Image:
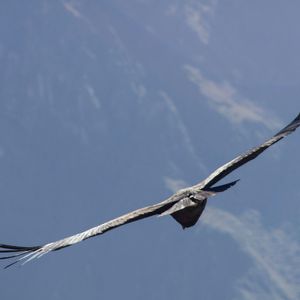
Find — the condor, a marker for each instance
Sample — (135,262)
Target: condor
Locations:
(185,206)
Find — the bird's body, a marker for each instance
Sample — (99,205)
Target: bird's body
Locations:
(189,216)
(185,206)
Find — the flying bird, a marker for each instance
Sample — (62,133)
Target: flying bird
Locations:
(185,206)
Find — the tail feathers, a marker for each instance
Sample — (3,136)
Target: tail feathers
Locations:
(19,253)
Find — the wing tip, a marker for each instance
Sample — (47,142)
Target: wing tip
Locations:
(291,126)
(20,253)
(297,119)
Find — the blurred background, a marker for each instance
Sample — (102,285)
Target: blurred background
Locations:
(108,106)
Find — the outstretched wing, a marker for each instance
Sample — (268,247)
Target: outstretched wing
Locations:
(249,155)
(25,254)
